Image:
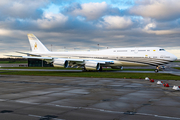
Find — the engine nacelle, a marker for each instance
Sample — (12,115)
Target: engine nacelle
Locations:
(60,63)
(91,65)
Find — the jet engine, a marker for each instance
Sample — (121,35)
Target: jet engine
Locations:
(92,65)
(60,63)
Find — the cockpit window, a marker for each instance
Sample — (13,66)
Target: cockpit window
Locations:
(161,49)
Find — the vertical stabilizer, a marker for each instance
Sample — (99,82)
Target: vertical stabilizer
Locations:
(36,45)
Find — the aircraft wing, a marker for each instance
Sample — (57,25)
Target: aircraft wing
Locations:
(48,58)
(68,62)
(66,59)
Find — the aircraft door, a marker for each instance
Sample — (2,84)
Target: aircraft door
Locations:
(136,50)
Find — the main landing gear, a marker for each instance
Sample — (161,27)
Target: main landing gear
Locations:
(100,68)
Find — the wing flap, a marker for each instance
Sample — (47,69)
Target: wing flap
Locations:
(103,61)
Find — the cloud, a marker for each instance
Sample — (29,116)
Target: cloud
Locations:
(50,21)
(163,10)
(161,28)
(122,4)
(62,1)
(150,26)
(115,22)
(61,23)
(4,32)
(127,2)
(86,24)
(91,11)
(163,32)
(22,8)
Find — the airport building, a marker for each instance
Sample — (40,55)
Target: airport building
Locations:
(38,63)
(30,62)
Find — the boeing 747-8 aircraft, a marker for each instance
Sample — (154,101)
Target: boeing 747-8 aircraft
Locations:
(114,58)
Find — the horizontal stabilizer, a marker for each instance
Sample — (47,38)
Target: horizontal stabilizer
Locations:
(27,53)
(13,56)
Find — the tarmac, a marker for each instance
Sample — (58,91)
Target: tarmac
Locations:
(168,69)
(74,98)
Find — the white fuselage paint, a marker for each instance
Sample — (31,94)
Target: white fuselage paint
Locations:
(142,56)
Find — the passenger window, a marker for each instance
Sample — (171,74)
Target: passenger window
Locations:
(141,50)
(121,50)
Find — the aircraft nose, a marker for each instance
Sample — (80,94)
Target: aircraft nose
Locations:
(173,57)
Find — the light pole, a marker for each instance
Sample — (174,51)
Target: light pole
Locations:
(98,47)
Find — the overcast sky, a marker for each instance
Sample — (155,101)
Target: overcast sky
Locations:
(82,24)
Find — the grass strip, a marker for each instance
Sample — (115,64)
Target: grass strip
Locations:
(176,68)
(61,68)
(160,76)
(12,62)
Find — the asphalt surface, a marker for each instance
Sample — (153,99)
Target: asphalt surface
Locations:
(171,71)
(14,65)
(68,98)
(168,69)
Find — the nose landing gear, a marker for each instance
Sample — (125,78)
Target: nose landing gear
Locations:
(157,69)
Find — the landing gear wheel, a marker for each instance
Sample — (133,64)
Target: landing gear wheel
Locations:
(156,70)
(84,70)
(163,68)
(100,69)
